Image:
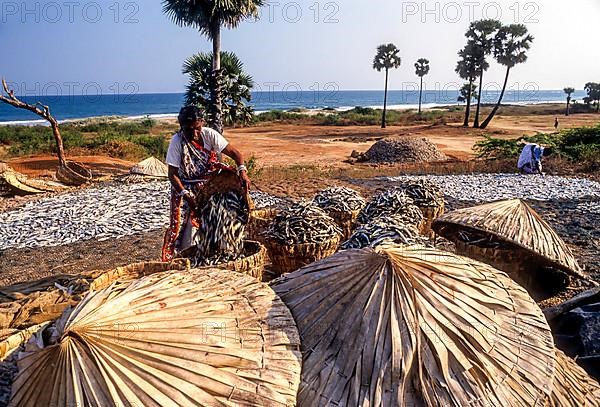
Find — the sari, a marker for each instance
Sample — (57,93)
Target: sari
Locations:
(196,167)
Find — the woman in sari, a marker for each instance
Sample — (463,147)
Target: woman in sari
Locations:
(192,157)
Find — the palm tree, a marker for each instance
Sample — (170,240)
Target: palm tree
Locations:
(236,91)
(468,68)
(568,92)
(481,43)
(387,58)
(421,69)
(468,91)
(510,48)
(209,16)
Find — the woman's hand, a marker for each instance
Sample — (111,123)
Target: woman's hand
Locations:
(245,180)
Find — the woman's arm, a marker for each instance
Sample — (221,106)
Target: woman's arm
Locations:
(235,154)
(179,187)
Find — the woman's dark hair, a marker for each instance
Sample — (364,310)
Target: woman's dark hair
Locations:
(547,151)
(189,114)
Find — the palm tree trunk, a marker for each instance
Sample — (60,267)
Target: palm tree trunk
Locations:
(217,107)
(420,94)
(495,110)
(476,122)
(468,108)
(383,125)
(568,104)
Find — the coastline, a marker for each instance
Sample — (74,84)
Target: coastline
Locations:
(298,110)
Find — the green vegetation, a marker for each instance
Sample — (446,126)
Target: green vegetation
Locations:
(127,140)
(236,86)
(578,144)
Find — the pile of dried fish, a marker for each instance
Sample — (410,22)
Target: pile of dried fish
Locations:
(392,202)
(220,239)
(401,149)
(264,200)
(423,192)
(303,223)
(340,199)
(383,230)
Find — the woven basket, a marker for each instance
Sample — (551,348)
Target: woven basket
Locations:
(430,213)
(524,268)
(73,173)
(345,220)
(253,263)
(286,258)
(135,271)
(259,222)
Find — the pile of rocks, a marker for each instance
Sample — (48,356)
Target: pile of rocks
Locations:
(402,150)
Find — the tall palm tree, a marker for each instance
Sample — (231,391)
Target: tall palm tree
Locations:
(480,37)
(421,69)
(387,58)
(468,68)
(236,90)
(569,92)
(510,48)
(209,17)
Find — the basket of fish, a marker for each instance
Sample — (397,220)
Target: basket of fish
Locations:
(384,230)
(301,235)
(429,198)
(392,202)
(219,241)
(266,207)
(343,205)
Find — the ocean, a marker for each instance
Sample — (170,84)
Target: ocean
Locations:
(168,104)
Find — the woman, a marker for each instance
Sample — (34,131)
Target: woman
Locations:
(192,157)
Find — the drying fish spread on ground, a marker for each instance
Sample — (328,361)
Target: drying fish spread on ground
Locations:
(383,230)
(101,213)
(392,202)
(493,187)
(303,223)
(220,239)
(340,199)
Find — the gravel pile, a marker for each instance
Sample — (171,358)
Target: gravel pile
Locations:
(494,187)
(403,150)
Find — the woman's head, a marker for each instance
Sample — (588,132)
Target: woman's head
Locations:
(547,152)
(191,118)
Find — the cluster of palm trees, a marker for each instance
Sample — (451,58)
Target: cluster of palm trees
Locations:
(210,17)
(593,96)
(508,44)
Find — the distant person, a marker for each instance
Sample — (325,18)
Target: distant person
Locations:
(192,158)
(530,160)
(556,123)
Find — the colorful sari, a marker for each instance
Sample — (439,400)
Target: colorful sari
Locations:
(196,167)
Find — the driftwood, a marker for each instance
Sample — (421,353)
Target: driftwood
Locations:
(68,172)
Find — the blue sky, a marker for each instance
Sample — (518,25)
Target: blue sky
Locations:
(81,46)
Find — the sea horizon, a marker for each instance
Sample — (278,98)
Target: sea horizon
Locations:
(166,105)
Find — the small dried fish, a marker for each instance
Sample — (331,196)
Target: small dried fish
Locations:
(303,223)
(423,192)
(340,199)
(392,202)
(263,200)
(383,230)
(220,239)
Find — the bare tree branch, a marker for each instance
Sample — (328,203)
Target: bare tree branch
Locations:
(43,112)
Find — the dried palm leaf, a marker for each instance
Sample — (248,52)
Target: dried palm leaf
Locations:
(513,222)
(212,338)
(572,386)
(411,326)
